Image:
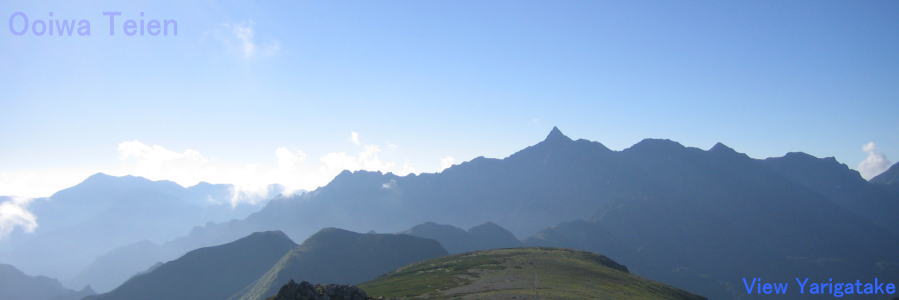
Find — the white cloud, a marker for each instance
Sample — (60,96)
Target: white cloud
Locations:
(354,137)
(446,162)
(874,164)
(155,161)
(290,167)
(36,183)
(367,159)
(288,159)
(190,167)
(13,214)
(241,38)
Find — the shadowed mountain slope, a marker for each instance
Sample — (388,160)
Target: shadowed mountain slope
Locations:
(212,273)
(339,256)
(888,177)
(455,240)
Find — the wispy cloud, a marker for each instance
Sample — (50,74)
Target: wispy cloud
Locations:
(874,164)
(354,137)
(241,38)
(14,214)
(366,158)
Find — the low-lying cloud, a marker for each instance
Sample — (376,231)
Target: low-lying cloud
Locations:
(14,214)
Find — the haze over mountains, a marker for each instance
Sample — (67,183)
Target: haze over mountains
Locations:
(79,224)
(207,273)
(696,219)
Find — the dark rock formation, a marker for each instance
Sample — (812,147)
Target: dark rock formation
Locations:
(307,291)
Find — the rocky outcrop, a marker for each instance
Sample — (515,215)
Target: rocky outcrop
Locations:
(307,291)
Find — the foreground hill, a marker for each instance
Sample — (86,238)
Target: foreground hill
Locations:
(522,272)
(16,285)
(338,256)
(212,273)
(455,240)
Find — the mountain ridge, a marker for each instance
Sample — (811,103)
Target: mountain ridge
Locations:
(340,256)
(212,273)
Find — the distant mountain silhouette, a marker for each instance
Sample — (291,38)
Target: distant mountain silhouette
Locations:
(455,240)
(16,285)
(111,269)
(212,273)
(80,223)
(339,256)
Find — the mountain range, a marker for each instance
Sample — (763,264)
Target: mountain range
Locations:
(697,219)
(212,273)
(693,218)
(81,223)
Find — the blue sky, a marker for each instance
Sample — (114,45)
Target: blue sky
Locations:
(258,91)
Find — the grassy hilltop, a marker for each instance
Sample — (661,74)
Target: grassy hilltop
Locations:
(520,273)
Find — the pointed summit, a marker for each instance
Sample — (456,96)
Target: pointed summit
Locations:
(722,148)
(556,135)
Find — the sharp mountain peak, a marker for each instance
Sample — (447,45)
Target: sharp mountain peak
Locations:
(556,135)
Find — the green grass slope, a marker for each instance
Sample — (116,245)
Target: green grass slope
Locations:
(550,273)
